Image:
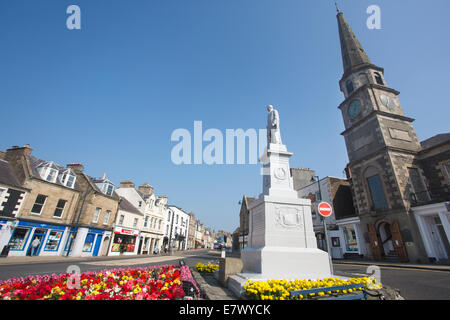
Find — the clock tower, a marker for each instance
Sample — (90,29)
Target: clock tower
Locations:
(382,147)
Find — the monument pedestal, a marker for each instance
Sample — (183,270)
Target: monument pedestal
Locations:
(282,243)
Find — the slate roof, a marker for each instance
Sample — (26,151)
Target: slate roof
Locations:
(7,175)
(36,163)
(435,141)
(143,195)
(127,206)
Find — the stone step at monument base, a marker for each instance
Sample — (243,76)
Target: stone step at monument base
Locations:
(277,261)
(261,264)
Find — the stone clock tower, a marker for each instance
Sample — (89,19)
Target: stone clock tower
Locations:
(382,146)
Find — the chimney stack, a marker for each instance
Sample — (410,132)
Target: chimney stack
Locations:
(126,184)
(15,152)
(18,159)
(146,188)
(76,167)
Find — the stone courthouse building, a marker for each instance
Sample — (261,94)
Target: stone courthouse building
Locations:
(393,175)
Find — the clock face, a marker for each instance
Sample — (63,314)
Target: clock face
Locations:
(354,109)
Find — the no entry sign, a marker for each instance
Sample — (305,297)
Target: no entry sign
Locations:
(325,209)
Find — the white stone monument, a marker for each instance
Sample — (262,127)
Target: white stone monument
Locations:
(282,243)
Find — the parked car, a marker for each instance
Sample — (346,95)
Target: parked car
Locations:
(217,246)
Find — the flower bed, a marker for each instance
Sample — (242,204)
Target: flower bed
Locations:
(155,283)
(206,268)
(280,289)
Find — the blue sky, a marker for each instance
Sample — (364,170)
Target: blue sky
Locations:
(110,95)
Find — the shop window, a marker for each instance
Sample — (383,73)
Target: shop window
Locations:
(53,241)
(107,215)
(335,242)
(96,215)
(350,239)
(38,204)
(89,242)
(59,208)
(123,243)
(19,238)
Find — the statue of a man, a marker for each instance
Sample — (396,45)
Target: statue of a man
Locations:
(273,126)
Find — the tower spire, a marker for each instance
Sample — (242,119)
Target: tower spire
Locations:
(353,54)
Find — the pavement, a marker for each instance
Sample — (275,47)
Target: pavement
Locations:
(55,259)
(391,264)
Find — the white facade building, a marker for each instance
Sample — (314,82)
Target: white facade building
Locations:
(127,236)
(177,227)
(153,209)
(344,235)
(434,225)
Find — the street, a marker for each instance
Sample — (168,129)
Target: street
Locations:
(414,284)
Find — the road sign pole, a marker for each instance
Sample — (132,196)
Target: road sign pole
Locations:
(325,210)
(328,246)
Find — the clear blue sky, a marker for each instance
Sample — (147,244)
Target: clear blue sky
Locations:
(110,95)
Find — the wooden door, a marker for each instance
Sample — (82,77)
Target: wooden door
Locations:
(375,242)
(397,241)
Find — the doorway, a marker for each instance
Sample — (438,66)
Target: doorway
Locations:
(384,231)
(443,235)
(98,242)
(105,246)
(40,235)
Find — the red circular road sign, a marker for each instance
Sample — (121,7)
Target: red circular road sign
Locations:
(325,209)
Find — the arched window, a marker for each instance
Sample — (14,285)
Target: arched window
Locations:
(378,78)
(376,191)
(349,85)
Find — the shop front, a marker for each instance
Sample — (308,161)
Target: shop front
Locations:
(86,242)
(47,238)
(349,238)
(125,242)
(433,221)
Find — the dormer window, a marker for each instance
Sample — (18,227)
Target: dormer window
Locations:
(108,189)
(48,171)
(68,179)
(51,174)
(105,186)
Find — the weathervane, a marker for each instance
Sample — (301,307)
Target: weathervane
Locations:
(337,9)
